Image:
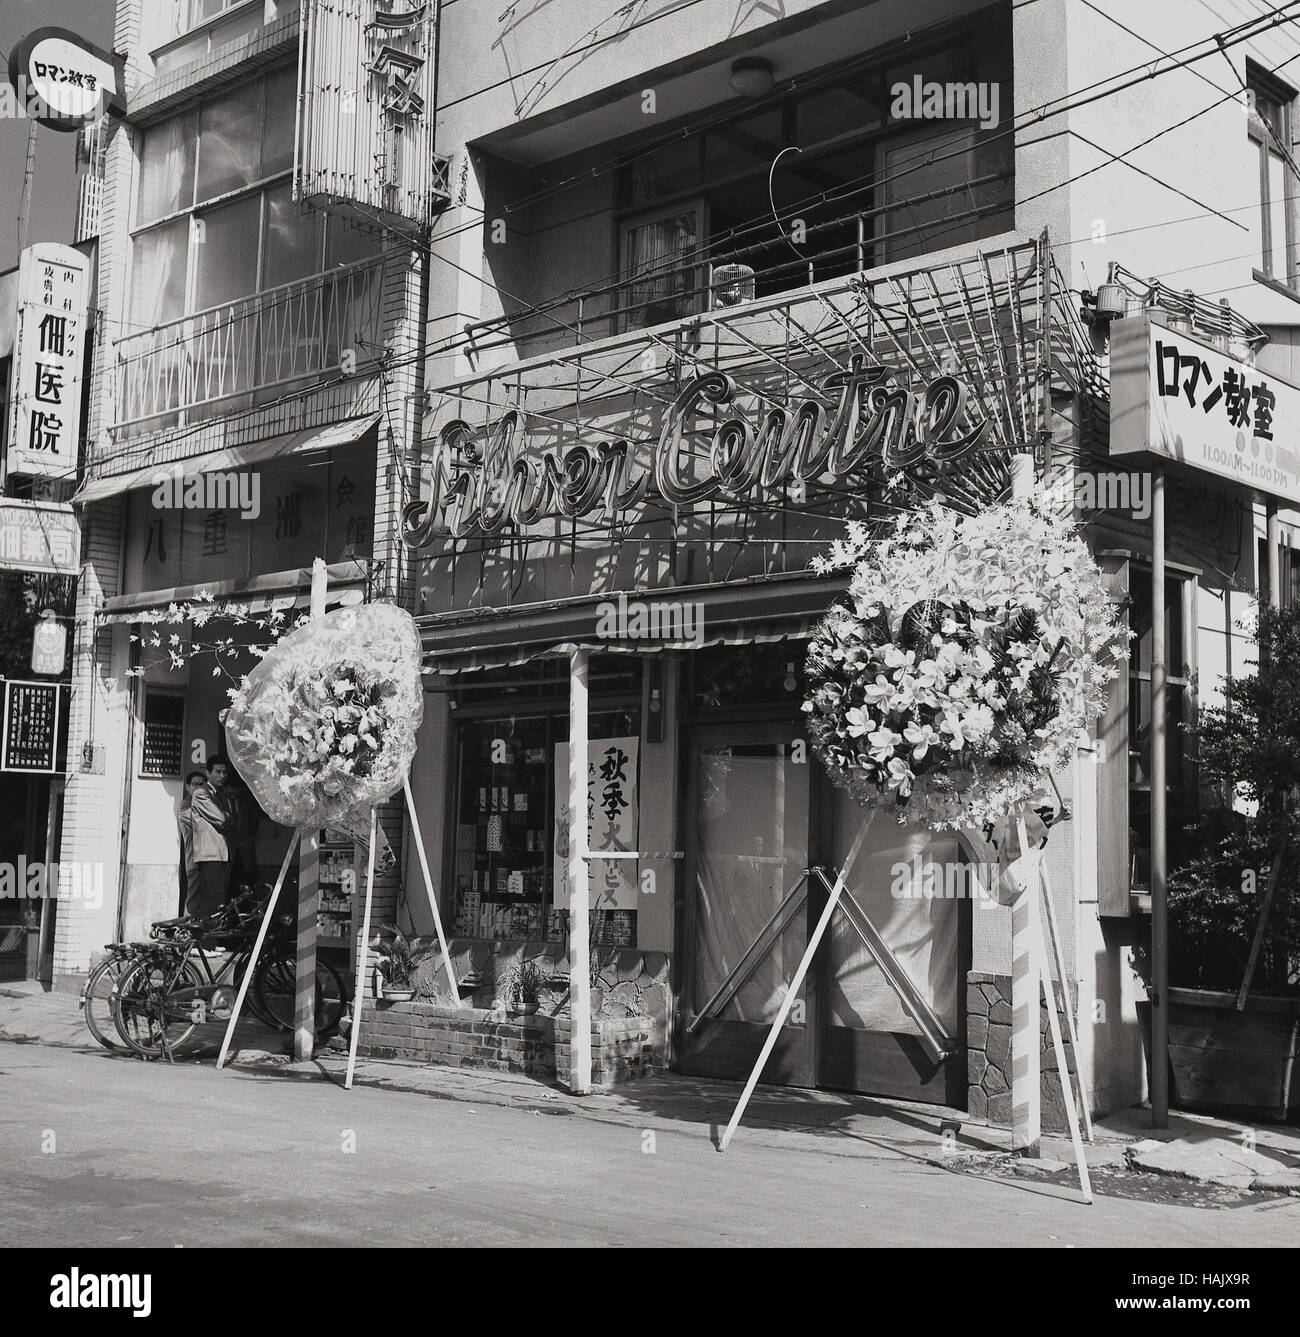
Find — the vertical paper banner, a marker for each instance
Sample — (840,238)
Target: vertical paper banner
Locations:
(613,799)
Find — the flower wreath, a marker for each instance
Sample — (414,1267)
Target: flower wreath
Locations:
(972,654)
(324,727)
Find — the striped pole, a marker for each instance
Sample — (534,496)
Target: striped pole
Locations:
(1026,947)
(304,1002)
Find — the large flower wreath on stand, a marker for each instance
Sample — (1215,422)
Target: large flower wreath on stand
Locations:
(971,657)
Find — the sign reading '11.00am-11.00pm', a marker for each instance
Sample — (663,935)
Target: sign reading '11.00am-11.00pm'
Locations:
(1176,396)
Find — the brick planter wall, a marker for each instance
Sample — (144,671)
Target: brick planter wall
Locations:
(622,1048)
(988,1054)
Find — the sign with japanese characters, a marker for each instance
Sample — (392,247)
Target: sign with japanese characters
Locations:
(1174,395)
(30,740)
(613,812)
(45,389)
(39,536)
(65,81)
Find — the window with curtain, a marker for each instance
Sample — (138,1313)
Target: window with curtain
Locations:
(1269,127)
(215,219)
(663,268)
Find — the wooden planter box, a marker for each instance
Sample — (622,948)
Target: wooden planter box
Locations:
(1225,1061)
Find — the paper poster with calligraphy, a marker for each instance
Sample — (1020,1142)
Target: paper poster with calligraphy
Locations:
(613,820)
(1177,396)
(49,344)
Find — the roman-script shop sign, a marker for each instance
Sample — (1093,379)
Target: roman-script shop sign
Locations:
(1176,396)
(862,423)
(48,348)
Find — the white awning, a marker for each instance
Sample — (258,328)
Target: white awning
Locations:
(233,457)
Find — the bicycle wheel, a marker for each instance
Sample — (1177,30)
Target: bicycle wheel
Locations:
(251,998)
(276,987)
(146,1020)
(97,1000)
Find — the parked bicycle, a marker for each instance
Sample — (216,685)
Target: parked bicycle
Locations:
(162,991)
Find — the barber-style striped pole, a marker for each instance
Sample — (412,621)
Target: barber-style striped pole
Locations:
(304,1007)
(1026,952)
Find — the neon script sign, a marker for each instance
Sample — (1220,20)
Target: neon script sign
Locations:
(496,481)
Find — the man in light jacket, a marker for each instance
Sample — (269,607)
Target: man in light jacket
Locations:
(211,818)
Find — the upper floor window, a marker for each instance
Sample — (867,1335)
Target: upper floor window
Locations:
(215,218)
(1270,127)
(893,162)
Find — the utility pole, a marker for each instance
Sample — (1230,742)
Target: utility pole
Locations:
(29,172)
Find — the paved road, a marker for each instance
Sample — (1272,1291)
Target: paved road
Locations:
(146,1154)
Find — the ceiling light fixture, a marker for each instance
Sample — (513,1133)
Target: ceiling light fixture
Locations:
(752,76)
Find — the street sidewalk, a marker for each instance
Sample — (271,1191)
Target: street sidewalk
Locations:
(834,1122)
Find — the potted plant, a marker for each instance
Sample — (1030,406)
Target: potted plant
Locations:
(522,986)
(1221,910)
(399,957)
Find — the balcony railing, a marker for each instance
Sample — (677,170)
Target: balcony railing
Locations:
(251,350)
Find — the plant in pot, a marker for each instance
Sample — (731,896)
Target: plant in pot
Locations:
(399,957)
(522,986)
(1234,895)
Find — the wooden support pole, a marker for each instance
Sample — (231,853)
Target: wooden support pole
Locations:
(428,886)
(1274,546)
(579,952)
(1159,771)
(251,968)
(1026,949)
(304,1007)
(1062,1065)
(1058,953)
(796,983)
(363,956)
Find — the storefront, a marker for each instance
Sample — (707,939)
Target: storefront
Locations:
(660,516)
(232,538)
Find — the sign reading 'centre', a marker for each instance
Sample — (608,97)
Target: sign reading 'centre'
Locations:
(494,479)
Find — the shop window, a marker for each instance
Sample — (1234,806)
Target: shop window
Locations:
(1270,128)
(509,851)
(1288,566)
(728,677)
(1180,591)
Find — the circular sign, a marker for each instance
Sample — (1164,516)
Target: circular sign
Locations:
(63,80)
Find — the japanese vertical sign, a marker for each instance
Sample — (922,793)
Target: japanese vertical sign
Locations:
(49,344)
(1176,396)
(613,811)
(30,739)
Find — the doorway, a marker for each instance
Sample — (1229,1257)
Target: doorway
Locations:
(761,813)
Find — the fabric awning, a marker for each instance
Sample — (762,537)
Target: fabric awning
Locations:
(261,594)
(342,433)
(745,613)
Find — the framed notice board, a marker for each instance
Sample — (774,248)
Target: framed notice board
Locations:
(162,752)
(30,739)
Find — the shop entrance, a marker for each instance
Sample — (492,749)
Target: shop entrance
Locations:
(761,813)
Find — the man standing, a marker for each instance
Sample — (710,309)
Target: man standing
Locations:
(211,819)
(185,826)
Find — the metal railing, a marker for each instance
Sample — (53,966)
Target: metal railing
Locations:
(233,355)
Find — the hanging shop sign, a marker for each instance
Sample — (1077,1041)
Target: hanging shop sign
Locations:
(45,389)
(39,536)
(1176,396)
(30,741)
(862,422)
(49,645)
(613,810)
(65,81)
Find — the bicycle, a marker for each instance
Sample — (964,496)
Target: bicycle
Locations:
(97,994)
(171,989)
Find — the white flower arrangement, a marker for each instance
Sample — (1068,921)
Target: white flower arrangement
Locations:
(324,727)
(974,653)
